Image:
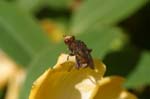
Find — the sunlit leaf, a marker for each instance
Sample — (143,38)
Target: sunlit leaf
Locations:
(30,5)
(20,35)
(105,12)
(101,40)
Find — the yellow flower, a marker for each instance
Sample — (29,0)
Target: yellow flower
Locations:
(64,81)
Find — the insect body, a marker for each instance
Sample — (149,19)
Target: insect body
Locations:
(80,51)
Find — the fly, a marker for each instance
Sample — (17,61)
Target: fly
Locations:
(79,49)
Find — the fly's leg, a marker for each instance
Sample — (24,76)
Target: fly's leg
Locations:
(71,54)
(67,57)
(90,62)
(78,65)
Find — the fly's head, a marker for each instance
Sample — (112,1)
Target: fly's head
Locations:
(69,39)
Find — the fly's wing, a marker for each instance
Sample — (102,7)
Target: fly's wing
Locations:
(90,61)
(85,53)
(81,49)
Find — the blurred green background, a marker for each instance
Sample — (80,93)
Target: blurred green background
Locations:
(118,31)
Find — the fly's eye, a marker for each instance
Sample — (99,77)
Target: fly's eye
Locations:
(66,40)
(69,39)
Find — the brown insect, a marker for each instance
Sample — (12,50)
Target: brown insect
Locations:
(80,51)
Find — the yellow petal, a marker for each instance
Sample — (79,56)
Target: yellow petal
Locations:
(111,88)
(126,95)
(66,82)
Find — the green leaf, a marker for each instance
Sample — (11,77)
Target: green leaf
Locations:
(41,62)
(105,12)
(140,75)
(34,5)
(59,3)
(102,40)
(20,35)
(30,5)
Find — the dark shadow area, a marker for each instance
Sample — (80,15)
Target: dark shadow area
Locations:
(46,12)
(122,62)
(3,92)
(138,27)
(142,93)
